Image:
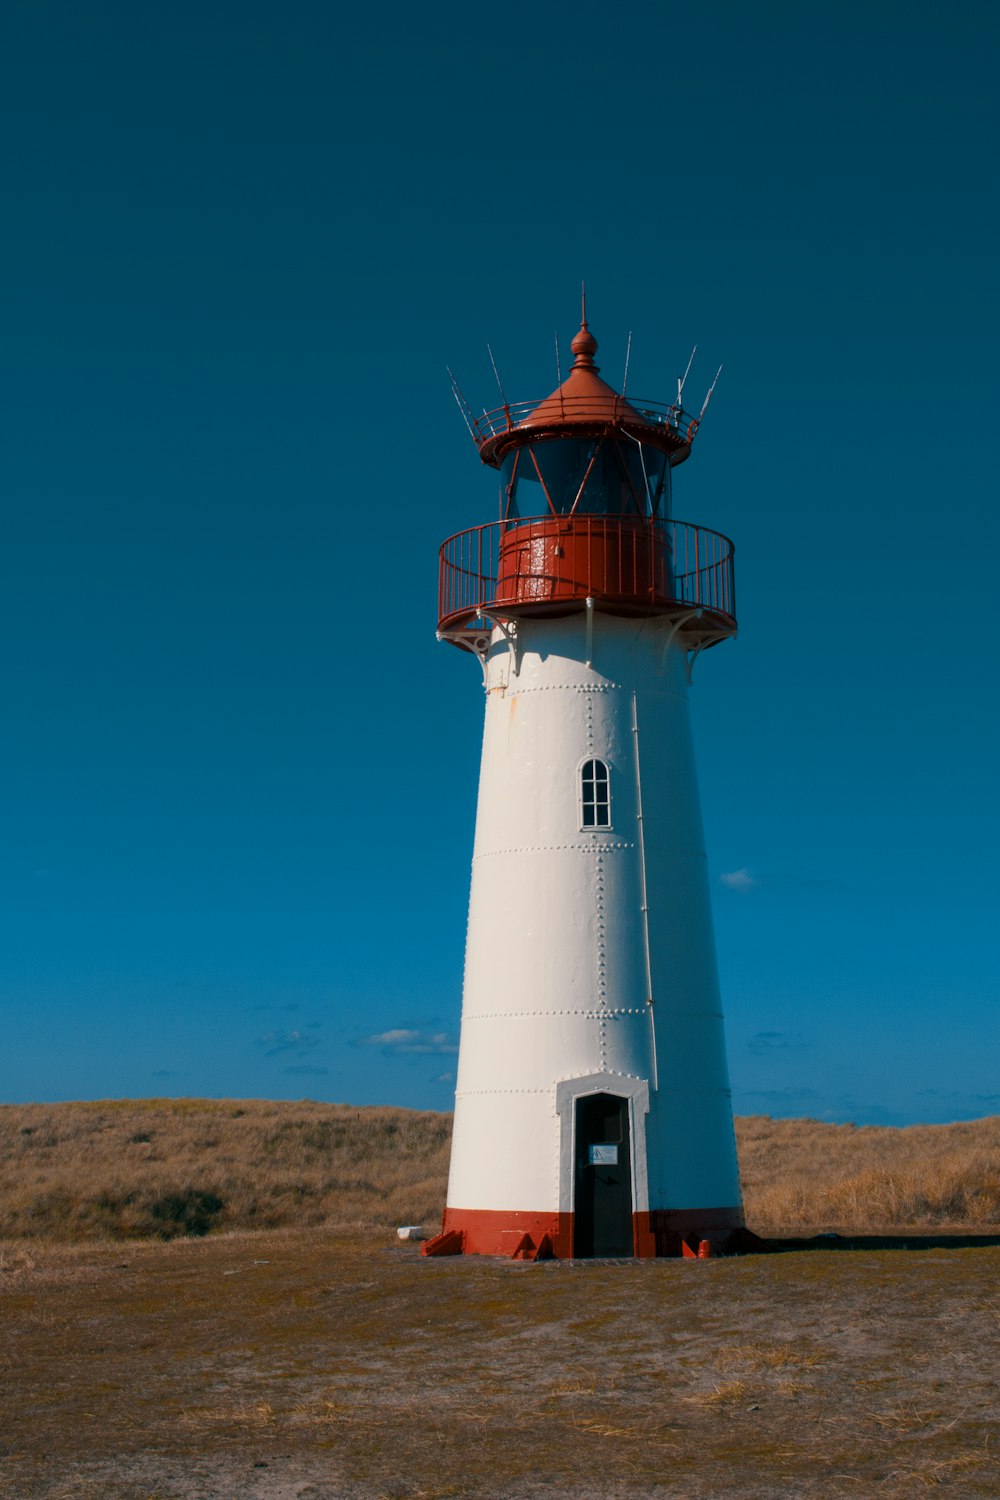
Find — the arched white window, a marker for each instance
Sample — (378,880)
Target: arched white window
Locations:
(595,795)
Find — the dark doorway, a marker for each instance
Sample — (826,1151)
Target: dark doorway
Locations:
(602,1222)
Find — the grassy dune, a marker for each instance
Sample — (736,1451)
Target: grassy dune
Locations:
(804,1175)
(166,1168)
(160,1168)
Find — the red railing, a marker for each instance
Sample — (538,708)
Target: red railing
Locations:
(503,419)
(634,563)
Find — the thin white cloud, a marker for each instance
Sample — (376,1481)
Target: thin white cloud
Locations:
(776,1041)
(274,1042)
(404,1041)
(776,1096)
(739,880)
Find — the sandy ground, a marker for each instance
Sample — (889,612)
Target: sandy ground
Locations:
(313,1367)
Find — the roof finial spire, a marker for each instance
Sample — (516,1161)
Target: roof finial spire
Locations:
(584,345)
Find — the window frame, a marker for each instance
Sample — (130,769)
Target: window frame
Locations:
(599,780)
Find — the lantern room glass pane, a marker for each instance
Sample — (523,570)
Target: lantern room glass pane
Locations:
(565,464)
(588,476)
(654,468)
(604,476)
(521,493)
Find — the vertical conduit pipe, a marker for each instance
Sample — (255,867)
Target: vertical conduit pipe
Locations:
(481,581)
(654,1074)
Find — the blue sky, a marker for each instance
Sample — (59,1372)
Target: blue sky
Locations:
(237,773)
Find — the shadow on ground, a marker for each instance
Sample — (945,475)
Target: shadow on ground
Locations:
(887,1242)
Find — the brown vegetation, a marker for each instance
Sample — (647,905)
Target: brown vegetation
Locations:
(805,1175)
(314,1354)
(164,1168)
(160,1168)
(339,1366)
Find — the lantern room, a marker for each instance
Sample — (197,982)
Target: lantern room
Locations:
(586,451)
(585,514)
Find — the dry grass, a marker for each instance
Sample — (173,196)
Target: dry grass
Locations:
(165,1168)
(161,1168)
(307,1363)
(305,1352)
(809,1176)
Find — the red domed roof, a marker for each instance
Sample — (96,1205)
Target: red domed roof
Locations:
(583,405)
(583,399)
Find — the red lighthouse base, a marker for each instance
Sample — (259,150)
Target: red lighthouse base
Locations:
(544,1236)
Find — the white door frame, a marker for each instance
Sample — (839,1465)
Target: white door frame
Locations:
(636,1091)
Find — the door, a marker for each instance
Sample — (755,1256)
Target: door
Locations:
(602,1220)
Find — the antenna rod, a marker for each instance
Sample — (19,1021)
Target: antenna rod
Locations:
(463,405)
(558,370)
(682,383)
(583,301)
(497,374)
(704,406)
(628,351)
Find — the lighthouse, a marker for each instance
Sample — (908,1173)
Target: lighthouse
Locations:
(592,1108)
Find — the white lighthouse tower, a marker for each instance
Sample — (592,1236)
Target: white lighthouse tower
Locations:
(592,1110)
